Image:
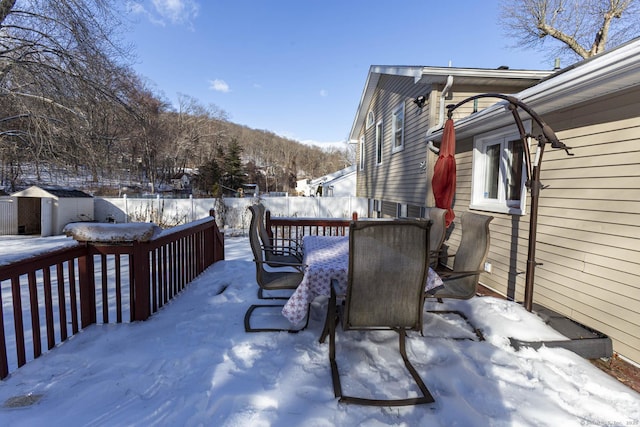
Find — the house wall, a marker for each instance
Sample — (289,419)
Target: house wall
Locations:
(342,187)
(404,177)
(399,177)
(588,238)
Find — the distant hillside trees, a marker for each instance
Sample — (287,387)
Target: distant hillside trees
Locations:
(72,108)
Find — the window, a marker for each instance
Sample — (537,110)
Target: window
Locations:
(499,172)
(362,158)
(371,119)
(379,141)
(398,128)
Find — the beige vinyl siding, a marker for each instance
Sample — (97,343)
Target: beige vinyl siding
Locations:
(588,236)
(462,92)
(399,178)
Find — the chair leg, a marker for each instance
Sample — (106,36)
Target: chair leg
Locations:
(337,387)
(249,328)
(476,331)
(331,326)
(427,397)
(332,317)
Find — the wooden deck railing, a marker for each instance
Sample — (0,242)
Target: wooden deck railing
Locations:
(284,229)
(63,291)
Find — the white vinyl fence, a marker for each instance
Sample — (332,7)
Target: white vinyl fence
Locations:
(230,212)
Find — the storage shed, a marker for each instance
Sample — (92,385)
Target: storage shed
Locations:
(46,210)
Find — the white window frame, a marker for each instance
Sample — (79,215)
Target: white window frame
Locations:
(397,130)
(362,153)
(379,142)
(479,199)
(371,119)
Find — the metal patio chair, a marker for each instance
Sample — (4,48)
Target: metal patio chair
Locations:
(290,253)
(461,282)
(274,256)
(388,265)
(272,279)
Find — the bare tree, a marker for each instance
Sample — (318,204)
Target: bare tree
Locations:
(58,62)
(583,27)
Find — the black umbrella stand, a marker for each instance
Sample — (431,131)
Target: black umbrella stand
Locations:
(533,173)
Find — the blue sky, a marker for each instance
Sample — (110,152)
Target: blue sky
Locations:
(298,67)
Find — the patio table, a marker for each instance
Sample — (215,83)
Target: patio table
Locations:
(326,258)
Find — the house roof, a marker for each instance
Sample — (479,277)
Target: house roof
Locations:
(438,75)
(334,176)
(605,74)
(59,192)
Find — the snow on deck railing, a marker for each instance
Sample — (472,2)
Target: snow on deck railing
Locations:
(117,270)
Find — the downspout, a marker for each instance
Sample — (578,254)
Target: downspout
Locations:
(432,129)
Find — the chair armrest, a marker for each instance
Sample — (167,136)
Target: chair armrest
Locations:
(288,249)
(297,266)
(292,242)
(450,275)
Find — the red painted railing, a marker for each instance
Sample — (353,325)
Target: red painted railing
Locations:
(285,229)
(62,292)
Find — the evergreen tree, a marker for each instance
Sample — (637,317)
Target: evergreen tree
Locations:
(209,178)
(233,171)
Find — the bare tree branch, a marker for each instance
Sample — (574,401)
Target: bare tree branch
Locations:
(583,28)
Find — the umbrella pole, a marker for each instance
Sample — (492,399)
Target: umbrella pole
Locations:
(534,175)
(535,187)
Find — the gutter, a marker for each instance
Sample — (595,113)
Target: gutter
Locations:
(432,129)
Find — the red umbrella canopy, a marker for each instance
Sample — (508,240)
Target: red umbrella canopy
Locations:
(444,172)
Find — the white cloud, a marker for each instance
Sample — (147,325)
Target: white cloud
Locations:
(136,8)
(174,11)
(177,11)
(219,86)
(324,93)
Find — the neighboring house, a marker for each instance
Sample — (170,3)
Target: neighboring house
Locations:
(336,184)
(303,187)
(46,210)
(181,181)
(588,238)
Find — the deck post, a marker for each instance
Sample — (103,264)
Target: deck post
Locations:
(87,282)
(141,272)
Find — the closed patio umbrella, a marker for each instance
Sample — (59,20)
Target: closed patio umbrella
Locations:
(444,173)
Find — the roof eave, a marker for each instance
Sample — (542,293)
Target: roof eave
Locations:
(612,72)
(433,75)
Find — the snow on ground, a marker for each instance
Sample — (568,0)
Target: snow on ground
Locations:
(192,364)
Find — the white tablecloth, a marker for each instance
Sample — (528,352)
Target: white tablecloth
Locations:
(326,258)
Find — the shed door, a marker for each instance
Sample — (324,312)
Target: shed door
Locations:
(46,216)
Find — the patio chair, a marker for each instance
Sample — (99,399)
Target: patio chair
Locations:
(388,265)
(273,279)
(462,281)
(273,255)
(437,233)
